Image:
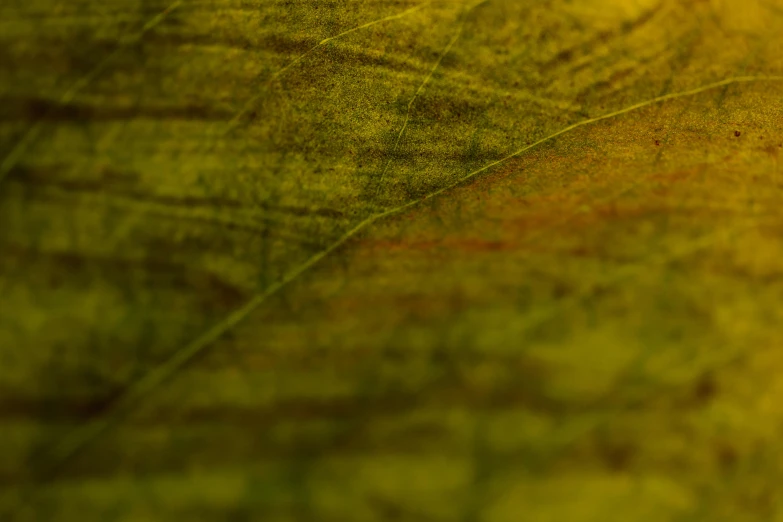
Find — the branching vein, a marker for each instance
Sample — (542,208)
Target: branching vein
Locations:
(234,122)
(82,437)
(423,84)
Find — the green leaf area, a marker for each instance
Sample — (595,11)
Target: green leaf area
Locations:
(377,260)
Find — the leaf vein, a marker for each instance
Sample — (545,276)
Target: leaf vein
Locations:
(81,437)
(423,84)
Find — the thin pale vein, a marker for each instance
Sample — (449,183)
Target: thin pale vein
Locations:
(233,123)
(423,84)
(80,438)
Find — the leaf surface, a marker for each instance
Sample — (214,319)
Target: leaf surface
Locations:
(376,260)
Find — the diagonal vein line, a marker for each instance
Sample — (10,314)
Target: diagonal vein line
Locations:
(424,83)
(80,438)
(631,108)
(34,130)
(234,122)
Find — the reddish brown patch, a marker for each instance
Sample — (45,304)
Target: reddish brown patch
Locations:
(533,224)
(705,390)
(476,245)
(615,211)
(678,175)
(617,457)
(582,251)
(727,456)
(771,150)
(386,246)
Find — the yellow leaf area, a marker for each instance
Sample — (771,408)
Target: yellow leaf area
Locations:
(358,261)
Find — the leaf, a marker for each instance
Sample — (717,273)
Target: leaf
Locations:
(381,260)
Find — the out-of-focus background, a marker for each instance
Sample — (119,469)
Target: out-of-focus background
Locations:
(336,261)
